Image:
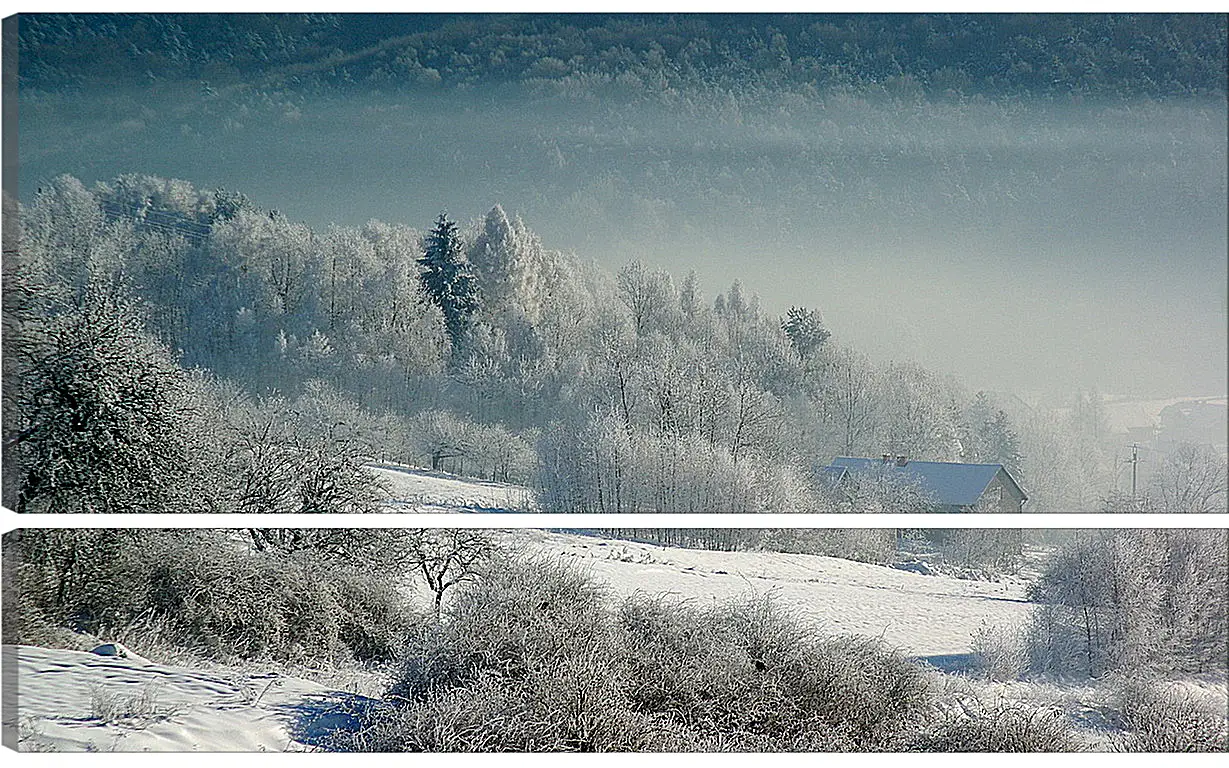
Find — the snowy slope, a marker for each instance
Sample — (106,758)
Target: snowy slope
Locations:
(412,489)
(77,701)
(927,616)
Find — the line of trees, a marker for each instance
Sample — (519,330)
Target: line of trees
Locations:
(468,348)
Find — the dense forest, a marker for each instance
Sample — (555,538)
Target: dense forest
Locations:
(903,56)
(170,348)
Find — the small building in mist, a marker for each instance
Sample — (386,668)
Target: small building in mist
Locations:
(947,486)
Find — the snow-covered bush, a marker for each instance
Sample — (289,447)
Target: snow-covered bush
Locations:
(1000,652)
(978,727)
(750,675)
(301,456)
(204,591)
(1166,717)
(533,658)
(525,659)
(453,443)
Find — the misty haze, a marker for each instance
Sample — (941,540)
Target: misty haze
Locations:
(1025,243)
(619,263)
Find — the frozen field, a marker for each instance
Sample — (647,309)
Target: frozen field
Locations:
(76,701)
(927,616)
(412,489)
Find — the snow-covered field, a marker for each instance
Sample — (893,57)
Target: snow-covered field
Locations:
(412,489)
(927,616)
(76,701)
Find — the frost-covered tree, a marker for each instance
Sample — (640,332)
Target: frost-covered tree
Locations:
(349,272)
(449,279)
(507,261)
(99,423)
(1191,479)
(1133,600)
(301,456)
(66,239)
(650,296)
(847,394)
(989,436)
(915,414)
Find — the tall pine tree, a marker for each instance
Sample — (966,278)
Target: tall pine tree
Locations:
(449,279)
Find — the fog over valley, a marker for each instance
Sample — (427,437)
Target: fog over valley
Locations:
(618,263)
(1024,244)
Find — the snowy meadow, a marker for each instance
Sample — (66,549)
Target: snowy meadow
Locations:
(464,640)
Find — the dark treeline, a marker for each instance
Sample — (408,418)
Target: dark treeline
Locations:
(269,348)
(902,56)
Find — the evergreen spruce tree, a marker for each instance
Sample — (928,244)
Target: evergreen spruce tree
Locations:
(449,279)
(805,330)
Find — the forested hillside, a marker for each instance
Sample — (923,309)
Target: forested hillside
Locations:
(168,348)
(958,55)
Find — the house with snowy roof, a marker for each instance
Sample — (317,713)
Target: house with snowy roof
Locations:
(949,486)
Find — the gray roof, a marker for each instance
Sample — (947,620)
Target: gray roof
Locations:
(832,476)
(947,483)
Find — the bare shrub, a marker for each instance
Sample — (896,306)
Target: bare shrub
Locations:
(1000,652)
(999,728)
(1165,717)
(137,710)
(996,549)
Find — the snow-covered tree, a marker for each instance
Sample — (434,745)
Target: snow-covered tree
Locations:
(1191,479)
(805,330)
(301,456)
(449,279)
(1133,600)
(99,424)
(650,296)
(507,260)
(847,395)
(990,437)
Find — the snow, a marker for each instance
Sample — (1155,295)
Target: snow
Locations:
(78,701)
(924,616)
(412,489)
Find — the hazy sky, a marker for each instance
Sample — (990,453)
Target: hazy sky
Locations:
(1023,246)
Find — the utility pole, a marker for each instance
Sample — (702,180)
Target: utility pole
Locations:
(1134,466)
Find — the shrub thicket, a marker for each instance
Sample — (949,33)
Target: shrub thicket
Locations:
(1165,717)
(999,728)
(205,591)
(534,658)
